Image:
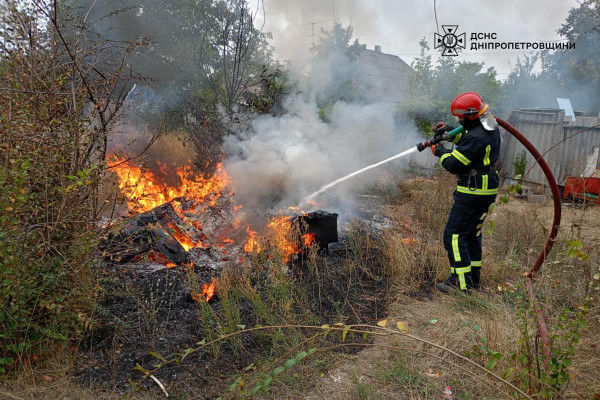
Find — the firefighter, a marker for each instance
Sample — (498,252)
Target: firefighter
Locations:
(472,160)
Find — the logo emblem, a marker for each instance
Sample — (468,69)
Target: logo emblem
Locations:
(450,41)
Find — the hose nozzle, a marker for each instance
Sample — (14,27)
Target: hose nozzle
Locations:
(446,136)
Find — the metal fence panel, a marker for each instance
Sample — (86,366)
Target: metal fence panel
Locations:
(545,128)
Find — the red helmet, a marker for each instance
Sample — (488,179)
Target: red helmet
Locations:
(468,105)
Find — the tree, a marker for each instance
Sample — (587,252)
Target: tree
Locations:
(239,52)
(335,71)
(434,87)
(577,71)
(421,83)
(525,87)
(337,41)
(203,58)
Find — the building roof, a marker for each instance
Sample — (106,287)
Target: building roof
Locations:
(386,75)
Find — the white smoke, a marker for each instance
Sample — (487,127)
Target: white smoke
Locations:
(282,159)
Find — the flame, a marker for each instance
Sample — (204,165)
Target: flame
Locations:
(163,167)
(145,191)
(196,224)
(208,291)
(252,243)
(279,230)
(296,210)
(308,239)
(184,240)
(161,258)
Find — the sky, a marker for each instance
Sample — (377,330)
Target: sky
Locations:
(398,25)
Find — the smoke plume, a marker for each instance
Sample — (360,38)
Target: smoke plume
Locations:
(280,160)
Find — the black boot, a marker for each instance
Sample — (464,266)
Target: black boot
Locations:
(450,284)
(476,277)
(453,283)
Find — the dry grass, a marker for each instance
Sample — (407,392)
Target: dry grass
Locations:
(398,368)
(520,232)
(413,251)
(55,381)
(389,371)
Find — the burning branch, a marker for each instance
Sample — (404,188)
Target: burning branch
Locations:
(208,292)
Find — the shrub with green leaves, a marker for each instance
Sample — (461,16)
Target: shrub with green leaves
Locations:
(520,163)
(53,126)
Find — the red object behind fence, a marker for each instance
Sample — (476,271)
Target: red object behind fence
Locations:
(582,188)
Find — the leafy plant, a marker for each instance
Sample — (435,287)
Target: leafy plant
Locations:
(54,118)
(520,163)
(548,378)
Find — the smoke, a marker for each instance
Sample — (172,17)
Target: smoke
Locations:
(280,160)
(399,25)
(294,22)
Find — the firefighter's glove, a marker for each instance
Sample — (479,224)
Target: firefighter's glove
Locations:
(437,150)
(440,128)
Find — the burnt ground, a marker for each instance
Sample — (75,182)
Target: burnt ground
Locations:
(141,312)
(148,308)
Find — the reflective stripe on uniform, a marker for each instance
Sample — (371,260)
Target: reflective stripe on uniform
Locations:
(484,182)
(461,276)
(481,192)
(475,263)
(461,270)
(455,247)
(457,138)
(460,157)
(444,156)
(486,159)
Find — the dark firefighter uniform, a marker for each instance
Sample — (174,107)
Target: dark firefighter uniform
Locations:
(472,161)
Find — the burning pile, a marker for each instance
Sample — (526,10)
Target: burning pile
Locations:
(194,222)
(145,191)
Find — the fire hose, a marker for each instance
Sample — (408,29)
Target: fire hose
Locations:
(448,136)
(540,320)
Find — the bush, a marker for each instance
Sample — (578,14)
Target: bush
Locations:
(46,285)
(53,123)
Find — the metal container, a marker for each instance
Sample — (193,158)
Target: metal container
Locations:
(321,224)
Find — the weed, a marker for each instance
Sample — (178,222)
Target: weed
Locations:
(48,289)
(415,259)
(403,375)
(363,391)
(154,305)
(54,121)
